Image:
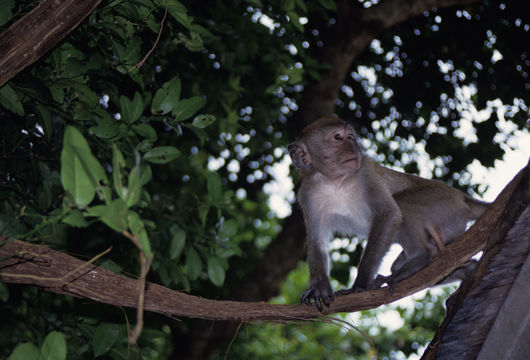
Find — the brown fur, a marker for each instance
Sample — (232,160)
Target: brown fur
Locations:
(344,192)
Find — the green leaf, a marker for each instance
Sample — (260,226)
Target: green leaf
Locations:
(6,11)
(107,127)
(75,218)
(177,242)
(164,274)
(4,291)
(145,174)
(228,229)
(131,110)
(301,5)
(203,212)
(81,172)
(118,162)
(167,97)
(54,347)
(25,351)
(85,93)
(146,131)
(9,99)
(134,187)
(104,338)
(138,229)
(287,5)
(214,186)
(295,20)
(193,264)
(203,121)
(44,196)
(187,107)
(46,120)
(328,4)
(10,227)
(162,154)
(96,211)
(216,272)
(114,215)
(178,12)
(75,175)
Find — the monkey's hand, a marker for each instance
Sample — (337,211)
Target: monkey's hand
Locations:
(319,290)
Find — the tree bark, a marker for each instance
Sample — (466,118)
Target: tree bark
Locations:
(40,30)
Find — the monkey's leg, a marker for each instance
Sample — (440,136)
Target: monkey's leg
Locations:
(404,268)
(436,233)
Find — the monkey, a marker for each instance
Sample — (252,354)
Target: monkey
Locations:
(344,192)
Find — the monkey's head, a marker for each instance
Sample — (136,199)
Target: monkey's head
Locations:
(328,146)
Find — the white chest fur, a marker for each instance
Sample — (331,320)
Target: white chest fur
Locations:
(340,211)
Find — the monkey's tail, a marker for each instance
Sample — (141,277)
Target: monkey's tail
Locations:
(476,206)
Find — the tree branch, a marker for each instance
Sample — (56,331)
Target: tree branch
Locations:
(41,29)
(37,265)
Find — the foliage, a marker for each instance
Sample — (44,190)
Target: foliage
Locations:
(178,151)
(330,339)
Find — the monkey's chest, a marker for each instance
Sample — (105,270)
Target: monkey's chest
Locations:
(344,211)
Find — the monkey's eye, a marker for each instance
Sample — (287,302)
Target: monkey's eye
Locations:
(338,137)
(350,137)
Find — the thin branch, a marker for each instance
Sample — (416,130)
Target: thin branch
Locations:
(137,66)
(145,265)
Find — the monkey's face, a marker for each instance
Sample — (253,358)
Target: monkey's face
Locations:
(332,150)
(328,146)
(339,152)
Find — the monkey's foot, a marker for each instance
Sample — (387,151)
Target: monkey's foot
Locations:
(351,290)
(321,293)
(380,280)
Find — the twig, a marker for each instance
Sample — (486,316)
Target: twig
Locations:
(233,339)
(62,279)
(145,264)
(137,66)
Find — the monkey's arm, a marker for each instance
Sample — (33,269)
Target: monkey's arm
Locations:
(319,288)
(385,221)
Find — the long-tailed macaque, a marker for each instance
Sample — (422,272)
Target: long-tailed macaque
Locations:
(344,192)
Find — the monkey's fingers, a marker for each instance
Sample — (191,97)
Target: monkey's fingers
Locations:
(306,296)
(318,303)
(326,300)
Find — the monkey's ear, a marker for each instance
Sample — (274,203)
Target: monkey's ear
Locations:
(299,155)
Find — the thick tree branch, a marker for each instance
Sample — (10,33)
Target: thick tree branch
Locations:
(61,273)
(354,29)
(40,30)
(484,297)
